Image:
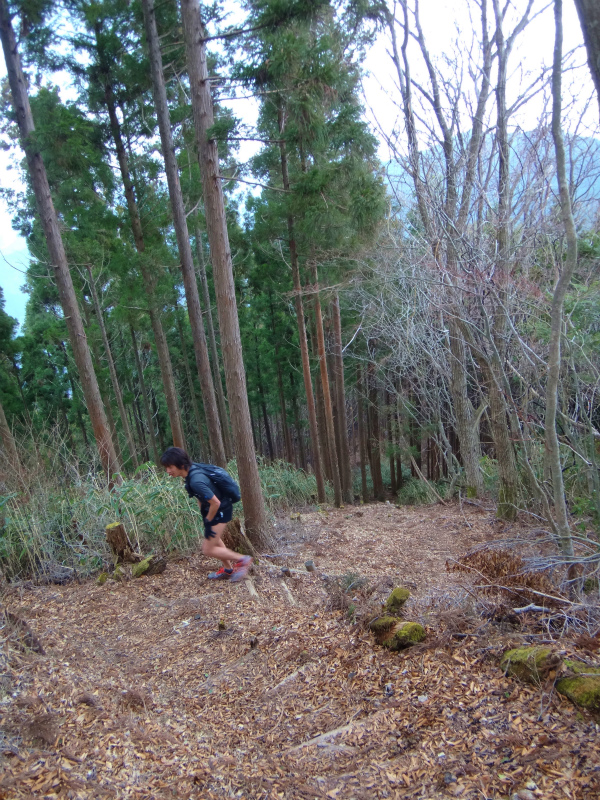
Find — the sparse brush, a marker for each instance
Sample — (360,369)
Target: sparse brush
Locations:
(416,493)
(499,572)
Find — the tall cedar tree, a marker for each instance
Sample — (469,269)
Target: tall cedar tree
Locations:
(41,188)
(326,166)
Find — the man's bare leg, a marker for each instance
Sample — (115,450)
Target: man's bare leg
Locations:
(214,547)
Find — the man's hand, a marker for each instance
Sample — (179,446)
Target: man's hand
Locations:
(214,505)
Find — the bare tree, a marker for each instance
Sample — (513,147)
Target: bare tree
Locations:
(558,298)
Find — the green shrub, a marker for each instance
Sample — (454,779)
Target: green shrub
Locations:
(415,493)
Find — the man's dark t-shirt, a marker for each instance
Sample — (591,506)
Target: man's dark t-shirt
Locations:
(199,485)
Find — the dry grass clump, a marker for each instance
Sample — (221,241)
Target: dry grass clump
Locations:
(499,572)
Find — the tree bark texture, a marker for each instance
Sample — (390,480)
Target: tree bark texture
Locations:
(50,225)
(214,206)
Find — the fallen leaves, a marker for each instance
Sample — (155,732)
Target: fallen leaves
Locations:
(141,695)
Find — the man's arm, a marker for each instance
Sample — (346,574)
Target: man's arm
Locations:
(214,505)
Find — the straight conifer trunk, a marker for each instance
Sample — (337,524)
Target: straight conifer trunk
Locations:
(183,240)
(308,388)
(190,383)
(361,434)
(145,400)
(162,349)
(112,370)
(375,450)
(212,340)
(299,432)
(214,206)
(344,455)
(329,426)
(49,220)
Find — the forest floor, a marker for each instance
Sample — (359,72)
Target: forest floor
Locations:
(140,694)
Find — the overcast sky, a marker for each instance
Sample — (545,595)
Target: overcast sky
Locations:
(440,20)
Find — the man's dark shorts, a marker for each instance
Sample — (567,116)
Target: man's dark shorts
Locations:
(224,514)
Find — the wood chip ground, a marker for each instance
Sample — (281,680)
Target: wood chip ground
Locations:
(140,694)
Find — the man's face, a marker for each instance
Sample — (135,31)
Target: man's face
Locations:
(176,472)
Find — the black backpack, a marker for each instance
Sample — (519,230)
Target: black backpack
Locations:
(222,480)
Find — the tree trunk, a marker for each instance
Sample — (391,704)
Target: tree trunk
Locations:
(467,430)
(344,455)
(287,439)
(299,432)
(361,434)
(263,406)
(145,399)
(558,298)
(162,349)
(214,206)
(589,17)
(229,450)
(183,239)
(50,225)
(310,398)
(112,370)
(335,471)
(374,437)
(391,442)
(323,448)
(190,382)
(161,437)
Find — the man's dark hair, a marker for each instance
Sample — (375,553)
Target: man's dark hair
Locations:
(176,457)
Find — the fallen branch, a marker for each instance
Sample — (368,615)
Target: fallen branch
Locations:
(530,607)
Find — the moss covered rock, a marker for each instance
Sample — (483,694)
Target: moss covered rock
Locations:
(581,685)
(530,664)
(396,600)
(102,578)
(402,635)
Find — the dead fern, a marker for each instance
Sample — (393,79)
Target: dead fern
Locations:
(499,572)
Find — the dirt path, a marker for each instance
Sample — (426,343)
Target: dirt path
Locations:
(140,695)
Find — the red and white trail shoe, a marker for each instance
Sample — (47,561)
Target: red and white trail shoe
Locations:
(222,574)
(241,568)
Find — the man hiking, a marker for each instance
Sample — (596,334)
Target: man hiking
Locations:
(216,493)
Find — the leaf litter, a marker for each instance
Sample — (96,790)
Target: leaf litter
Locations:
(173,686)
